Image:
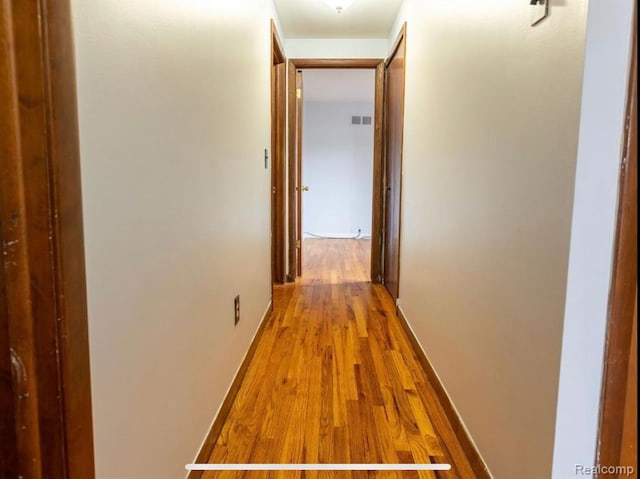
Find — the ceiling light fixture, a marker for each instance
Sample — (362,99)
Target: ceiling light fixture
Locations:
(338,5)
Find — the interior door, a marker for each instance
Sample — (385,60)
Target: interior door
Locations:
(278,168)
(298,180)
(394,126)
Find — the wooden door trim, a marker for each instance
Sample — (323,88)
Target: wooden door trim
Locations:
(292,167)
(295,119)
(43,244)
(8,149)
(623,294)
(378,179)
(295,172)
(298,172)
(278,152)
(351,63)
(400,40)
(64,147)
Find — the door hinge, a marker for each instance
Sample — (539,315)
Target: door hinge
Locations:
(625,147)
(298,244)
(299,93)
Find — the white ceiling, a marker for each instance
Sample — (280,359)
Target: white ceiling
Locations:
(314,19)
(339,85)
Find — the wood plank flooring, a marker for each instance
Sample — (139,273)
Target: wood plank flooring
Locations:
(334,380)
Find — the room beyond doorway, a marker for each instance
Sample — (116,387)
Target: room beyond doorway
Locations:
(337,153)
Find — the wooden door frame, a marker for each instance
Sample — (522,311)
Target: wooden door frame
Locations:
(622,301)
(295,157)
(402,36)
(278,153)
(43,282)
(294,168)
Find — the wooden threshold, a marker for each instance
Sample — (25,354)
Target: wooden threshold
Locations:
(466,442)
(216,427)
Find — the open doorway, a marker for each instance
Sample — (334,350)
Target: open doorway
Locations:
(345,151)
(386,181)
(337,155)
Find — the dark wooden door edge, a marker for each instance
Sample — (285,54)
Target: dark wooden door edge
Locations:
(378,180)
(623,286)
(8,148)
(292,168)
(68,234)
(297,174)
(216,427)
(41,209)
(466,442)
(400,41)
(378,160)
(278,152)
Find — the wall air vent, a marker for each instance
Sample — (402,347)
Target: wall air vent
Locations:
(356,120)
(366,120)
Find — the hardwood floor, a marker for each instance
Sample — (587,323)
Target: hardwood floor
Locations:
(334,380)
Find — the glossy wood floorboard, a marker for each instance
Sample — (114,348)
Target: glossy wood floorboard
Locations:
(334,380)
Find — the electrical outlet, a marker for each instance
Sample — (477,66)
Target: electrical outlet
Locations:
(236,308)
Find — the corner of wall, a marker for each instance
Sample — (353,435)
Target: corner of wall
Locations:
(275,16)
(397,24)
(607,60)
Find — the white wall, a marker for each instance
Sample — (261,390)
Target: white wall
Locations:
(491,129)
(592,235)
(337,165)
(174,118)
(336,47)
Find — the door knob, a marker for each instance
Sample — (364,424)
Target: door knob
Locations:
(305,188)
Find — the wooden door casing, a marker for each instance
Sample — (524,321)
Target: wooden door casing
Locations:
(44,357)
(296,65)
(394,128)
(8,451)
(614,437)
(298,171)
(629,443)
(278,168)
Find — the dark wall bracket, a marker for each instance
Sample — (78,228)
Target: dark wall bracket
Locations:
(545,14)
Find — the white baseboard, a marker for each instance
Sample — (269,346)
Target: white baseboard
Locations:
(336,235)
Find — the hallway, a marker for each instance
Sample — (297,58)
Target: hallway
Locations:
(155,169)
(334,379)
